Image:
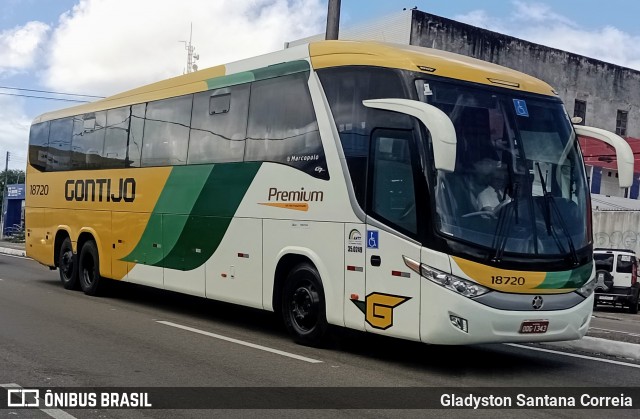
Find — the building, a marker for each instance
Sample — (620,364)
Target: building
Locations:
(604,95)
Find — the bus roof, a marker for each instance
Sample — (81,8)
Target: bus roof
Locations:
(427,60)
(324,54)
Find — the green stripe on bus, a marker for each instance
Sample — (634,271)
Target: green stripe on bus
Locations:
(269,72)
(192,214)
(575,278)
(212,213)
(178,197)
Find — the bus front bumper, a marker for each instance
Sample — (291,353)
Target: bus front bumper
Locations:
(445,314)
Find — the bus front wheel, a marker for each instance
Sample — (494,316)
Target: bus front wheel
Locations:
(89,268)
(67,265)
(303,306)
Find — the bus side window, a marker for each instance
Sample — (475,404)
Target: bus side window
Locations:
(59,154)
(393,196)
(282,125)
(115,142)
(88,140)
(136,129)
(219,125)
(346,88)
(39,145)
(166,131)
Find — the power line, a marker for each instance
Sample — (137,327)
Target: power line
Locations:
(48,91)
(45,97)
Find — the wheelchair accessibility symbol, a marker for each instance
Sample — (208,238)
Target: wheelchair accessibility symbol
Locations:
(521,107)
(372,239)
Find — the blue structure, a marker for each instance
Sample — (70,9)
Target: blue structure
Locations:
(12,215)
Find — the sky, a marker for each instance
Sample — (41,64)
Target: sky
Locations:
(102,47)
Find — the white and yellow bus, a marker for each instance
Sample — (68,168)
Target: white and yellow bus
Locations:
(398,190)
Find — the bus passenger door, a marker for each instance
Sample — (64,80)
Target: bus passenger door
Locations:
(392,304)
(354,276)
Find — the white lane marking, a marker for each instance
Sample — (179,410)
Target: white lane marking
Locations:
(14,256)
(54,413)
(616,331)
(592,358)
(241,342)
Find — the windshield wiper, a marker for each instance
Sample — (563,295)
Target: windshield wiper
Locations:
(504,223)
(550,204)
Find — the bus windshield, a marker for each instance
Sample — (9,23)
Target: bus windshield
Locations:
(519,184)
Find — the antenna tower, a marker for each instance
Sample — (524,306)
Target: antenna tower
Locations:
(191,56)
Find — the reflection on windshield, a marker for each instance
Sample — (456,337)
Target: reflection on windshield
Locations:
(518,184)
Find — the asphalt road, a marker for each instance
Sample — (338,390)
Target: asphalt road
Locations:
(141,337)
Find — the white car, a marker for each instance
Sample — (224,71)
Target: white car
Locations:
(617,278)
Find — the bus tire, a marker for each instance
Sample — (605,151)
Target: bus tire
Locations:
(68,265)
(303,306)
(89,268)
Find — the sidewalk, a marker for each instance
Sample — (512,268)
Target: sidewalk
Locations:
(10,248)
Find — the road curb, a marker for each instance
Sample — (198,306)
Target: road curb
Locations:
(602,346)
(13,252)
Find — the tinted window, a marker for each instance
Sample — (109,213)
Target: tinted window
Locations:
(392,187)
(282,125)
(115,143)
(219,125)
(604,261)
(166,132)
(59,155)
(38,145)
(345,89)
(88,141)
(136,131)
(625,264)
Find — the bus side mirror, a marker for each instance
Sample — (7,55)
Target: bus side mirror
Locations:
(624,154)
(443,134)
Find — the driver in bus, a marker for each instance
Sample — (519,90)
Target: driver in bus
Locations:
(490,181)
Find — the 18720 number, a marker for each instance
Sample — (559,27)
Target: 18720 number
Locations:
(507,280)
(39,189)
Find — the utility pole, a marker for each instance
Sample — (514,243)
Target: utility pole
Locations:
(4,195)
(6,171)
(333,19)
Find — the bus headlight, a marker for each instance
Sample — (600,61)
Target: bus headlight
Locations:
(454,283)
(587,289)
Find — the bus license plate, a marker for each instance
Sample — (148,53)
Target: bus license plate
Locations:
(605,297)
(534,326)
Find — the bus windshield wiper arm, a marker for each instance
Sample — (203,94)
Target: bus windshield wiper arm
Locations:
(550,204)
(504,223)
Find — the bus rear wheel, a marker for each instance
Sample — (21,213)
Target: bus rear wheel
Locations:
(89,268)
(303,306)
(67,265)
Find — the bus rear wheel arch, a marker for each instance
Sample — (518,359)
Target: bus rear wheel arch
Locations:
(303,305)
(89,268)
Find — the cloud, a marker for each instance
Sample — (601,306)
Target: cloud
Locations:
(103,47)
(19,47)
(543,26)
(14,132)
(538,12)
(481,19)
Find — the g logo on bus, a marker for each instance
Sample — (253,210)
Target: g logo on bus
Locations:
(378,308)
(537,302)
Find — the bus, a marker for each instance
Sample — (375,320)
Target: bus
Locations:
(392,189)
